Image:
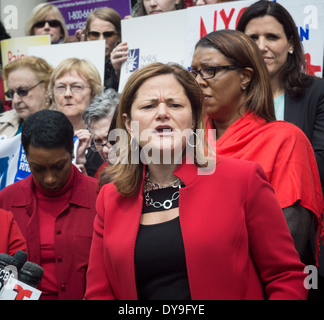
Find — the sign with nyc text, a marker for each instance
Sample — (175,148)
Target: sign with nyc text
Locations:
(175,42)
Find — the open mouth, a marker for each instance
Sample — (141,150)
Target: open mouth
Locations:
(163,130)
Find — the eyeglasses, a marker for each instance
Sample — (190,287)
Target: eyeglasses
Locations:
(209,72)
(20,91)
(52,23)
(97,145)
(74,88)
(95,35)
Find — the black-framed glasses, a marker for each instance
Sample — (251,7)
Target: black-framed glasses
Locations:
(209,72)
(97,146)
(95,35)
(22,92)
(53,23)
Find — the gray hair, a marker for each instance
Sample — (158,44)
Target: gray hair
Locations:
(103,105)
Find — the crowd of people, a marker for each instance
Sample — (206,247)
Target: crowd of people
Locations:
(124,200)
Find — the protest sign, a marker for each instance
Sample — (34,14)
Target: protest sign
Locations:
(75,13)
(17,48)
(93,51)
(150,39)
(13,161)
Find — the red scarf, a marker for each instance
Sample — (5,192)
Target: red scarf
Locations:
(283,151)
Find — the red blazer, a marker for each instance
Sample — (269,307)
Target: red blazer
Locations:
(235,236)
(11,238)
(73,229)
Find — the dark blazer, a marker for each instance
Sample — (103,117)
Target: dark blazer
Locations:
(307,112)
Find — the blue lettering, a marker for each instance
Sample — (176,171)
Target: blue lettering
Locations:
(4,165)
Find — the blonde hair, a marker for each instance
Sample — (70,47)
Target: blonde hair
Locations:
(128,177)
(38,66)
(41,12)
(105,14)
(84,68)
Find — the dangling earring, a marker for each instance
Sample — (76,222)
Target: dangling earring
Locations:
(133,144)
(195,135)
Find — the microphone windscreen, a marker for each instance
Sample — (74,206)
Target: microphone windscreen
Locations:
(19,259)
(31,273)
(5,260)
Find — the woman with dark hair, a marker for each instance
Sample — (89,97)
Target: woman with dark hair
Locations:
(298,97)
(238,103)
(54,207)
(174,228)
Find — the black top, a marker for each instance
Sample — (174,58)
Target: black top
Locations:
(160,263)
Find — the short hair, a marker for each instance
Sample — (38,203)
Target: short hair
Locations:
(102,106)
(127,178)
(106,14)
(38,66)
(41,12)
(84,68)
(49,129)
(243,52)
(139,9)
(293,75)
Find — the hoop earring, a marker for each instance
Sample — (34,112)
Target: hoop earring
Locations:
(133,144)
(197,141)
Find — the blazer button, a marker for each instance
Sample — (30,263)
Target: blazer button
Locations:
(63,287)
(58,232)
(59,259)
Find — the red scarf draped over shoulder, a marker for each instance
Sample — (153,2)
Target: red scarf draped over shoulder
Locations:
(284,152)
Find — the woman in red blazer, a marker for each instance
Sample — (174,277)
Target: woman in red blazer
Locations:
(174,226)
(11,238)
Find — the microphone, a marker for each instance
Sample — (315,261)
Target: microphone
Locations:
(19,259)
(24,288)
(31,274)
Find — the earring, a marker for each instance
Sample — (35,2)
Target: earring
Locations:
(243,88)
(291,51)
(194,134)
(133,144)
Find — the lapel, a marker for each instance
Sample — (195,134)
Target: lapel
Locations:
(28,204)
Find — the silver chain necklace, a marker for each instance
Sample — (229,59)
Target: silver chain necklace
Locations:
(167,204)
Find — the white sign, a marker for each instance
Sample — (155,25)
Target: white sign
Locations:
(93,51)
(172,36)
(13,161)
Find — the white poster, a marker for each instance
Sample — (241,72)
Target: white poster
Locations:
(13,161)
(154,38)
(172,36)
(93,51)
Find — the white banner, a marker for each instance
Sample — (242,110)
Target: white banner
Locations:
(172,36)
(13,161)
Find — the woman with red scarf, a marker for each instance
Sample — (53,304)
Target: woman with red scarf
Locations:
(238,103)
